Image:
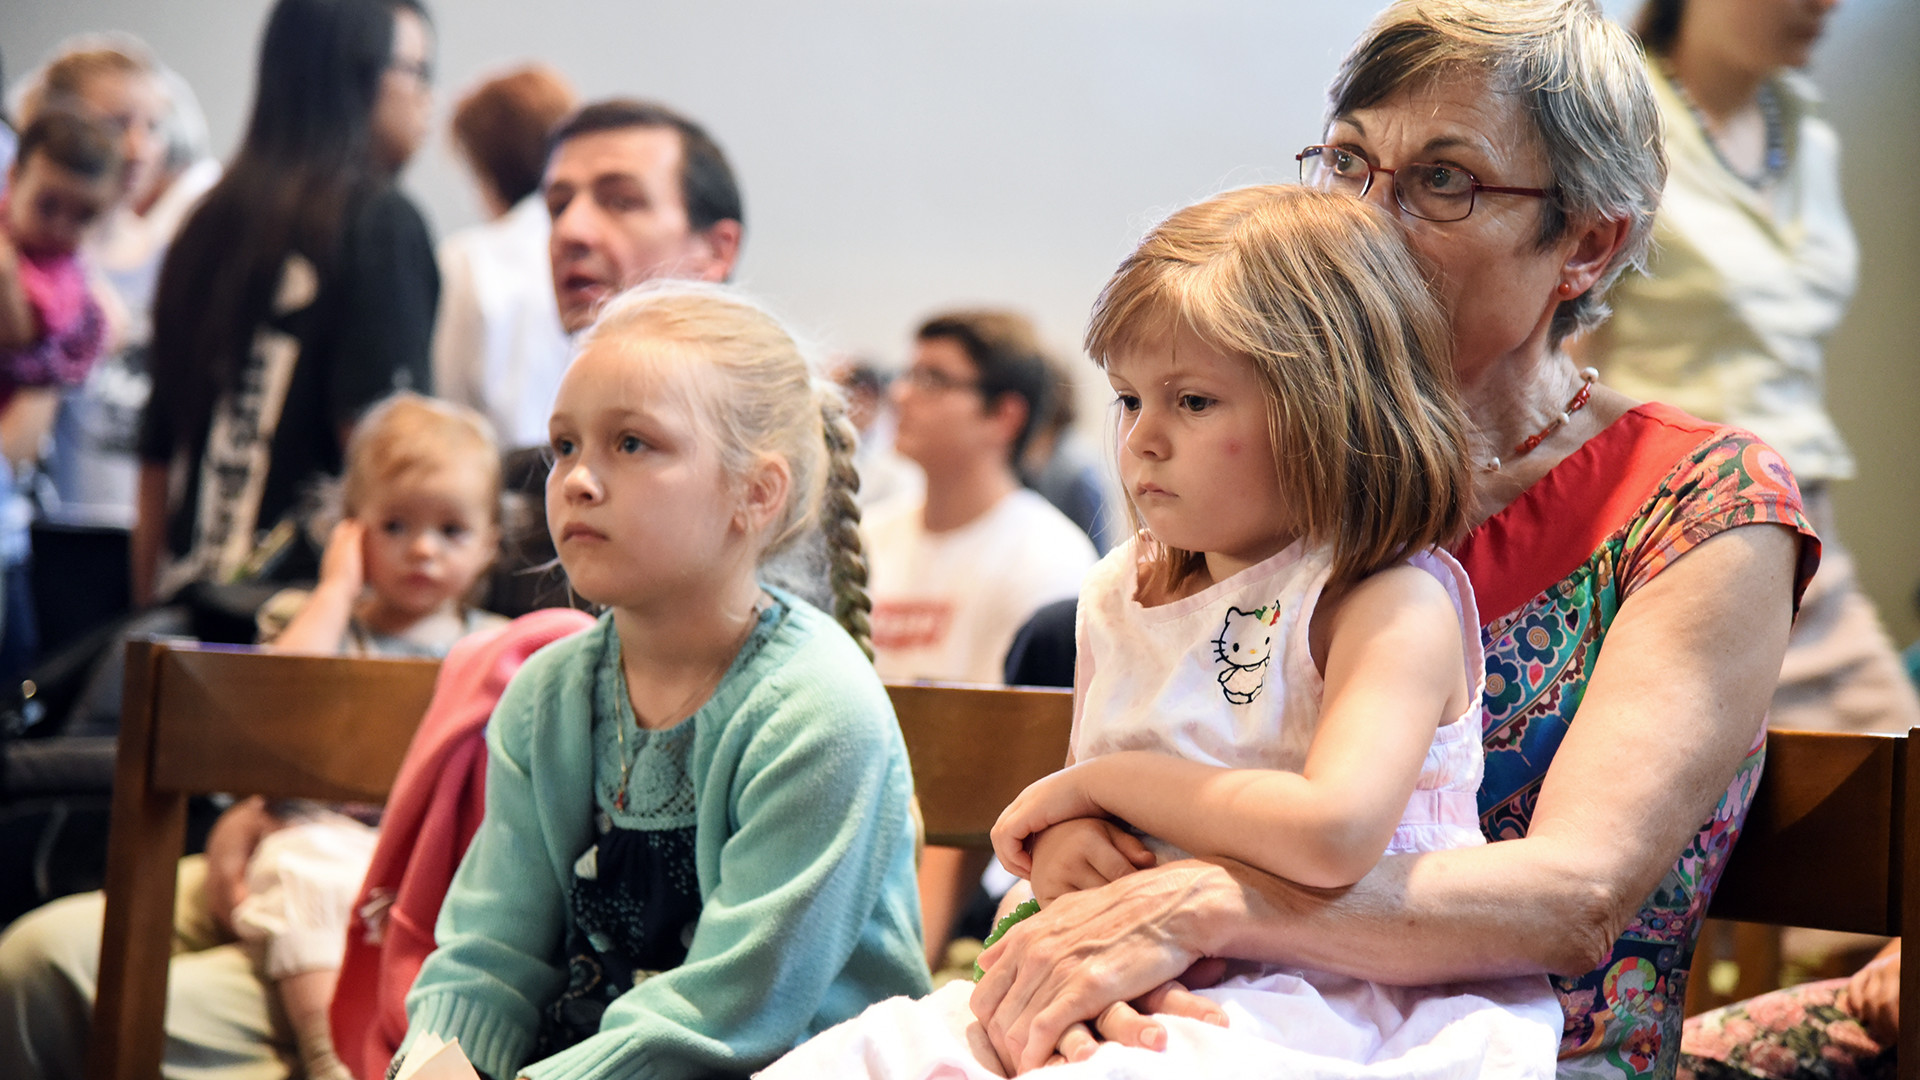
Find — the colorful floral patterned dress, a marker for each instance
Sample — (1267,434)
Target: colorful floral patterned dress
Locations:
(1551,571)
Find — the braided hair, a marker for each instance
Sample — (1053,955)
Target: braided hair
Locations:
(840,522)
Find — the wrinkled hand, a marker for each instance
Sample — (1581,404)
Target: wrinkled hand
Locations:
(343,564)
(230,846)
(1873,996)
(1083,853)
(1046,802)
(1082,954)
(1135,1023)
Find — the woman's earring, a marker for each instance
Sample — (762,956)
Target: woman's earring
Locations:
(1566,289)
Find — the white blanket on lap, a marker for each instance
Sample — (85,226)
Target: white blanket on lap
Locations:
(1300,1026)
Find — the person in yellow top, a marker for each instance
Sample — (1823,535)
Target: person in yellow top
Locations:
(1752,268)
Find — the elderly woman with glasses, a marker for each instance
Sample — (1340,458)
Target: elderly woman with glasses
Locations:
(1633,622)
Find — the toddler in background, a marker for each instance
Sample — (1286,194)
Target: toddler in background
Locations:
(421,504)
(697,848)
(65,175)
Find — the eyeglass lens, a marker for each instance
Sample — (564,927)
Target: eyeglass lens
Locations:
(1433,192)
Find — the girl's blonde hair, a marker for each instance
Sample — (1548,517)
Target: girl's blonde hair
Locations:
(761,400)
(408,433)
(1321,294)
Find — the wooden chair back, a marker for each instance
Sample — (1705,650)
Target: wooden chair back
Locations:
(203,719)
(1832,842)
(973,749)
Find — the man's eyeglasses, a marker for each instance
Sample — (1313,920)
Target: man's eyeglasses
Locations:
(935,381)
(1425,190)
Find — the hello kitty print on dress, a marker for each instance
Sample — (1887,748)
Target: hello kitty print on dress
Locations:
(1245,645)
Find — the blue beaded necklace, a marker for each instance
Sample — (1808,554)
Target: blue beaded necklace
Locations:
(1771,114)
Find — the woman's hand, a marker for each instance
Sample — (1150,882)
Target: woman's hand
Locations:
(1083,853)
(1085,951)
(1048,801)
(1873,995)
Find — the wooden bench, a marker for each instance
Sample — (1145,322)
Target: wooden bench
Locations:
(1829,843)
(1832,842)
(203,719)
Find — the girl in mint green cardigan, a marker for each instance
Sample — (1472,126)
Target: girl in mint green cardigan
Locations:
(698,847)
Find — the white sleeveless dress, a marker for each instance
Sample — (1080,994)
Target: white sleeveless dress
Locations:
(1225,677)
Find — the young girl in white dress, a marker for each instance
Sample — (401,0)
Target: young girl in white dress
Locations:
(1282,667)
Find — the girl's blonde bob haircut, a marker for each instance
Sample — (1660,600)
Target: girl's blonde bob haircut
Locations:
(1319,292)
(407,435)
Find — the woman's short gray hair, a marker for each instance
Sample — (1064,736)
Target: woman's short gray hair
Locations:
(1579,76)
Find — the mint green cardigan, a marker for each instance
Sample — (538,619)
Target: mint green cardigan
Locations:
(803,849)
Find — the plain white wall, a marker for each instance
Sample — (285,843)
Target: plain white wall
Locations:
(896,155)
(900,156)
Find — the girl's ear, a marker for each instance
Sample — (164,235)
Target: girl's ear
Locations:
(764,492)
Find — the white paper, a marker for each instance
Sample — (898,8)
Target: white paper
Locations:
(431,1059)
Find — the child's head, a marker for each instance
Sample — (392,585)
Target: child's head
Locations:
(1319,295)
(115,79)
(691,439)
(423,477)
(65,174)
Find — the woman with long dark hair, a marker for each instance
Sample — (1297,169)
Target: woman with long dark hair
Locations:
(301,291)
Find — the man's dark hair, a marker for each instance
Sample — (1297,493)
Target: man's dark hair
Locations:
(1006,353)
(706,180)
(71,140)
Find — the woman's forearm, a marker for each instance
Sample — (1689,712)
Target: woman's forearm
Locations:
(1436,917)
(26,422)
(19,326)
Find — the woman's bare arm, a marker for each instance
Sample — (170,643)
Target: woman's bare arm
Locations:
(26,422)
(19,324)
(1677,698)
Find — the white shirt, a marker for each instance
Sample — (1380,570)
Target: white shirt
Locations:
(946,605)
(1743,287)
(1226,677)
(498,346)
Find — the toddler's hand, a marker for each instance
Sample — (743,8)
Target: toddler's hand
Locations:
(343,564)
(1084,853)
(230,847)
(1047,801)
